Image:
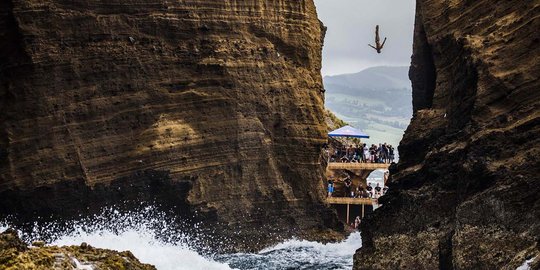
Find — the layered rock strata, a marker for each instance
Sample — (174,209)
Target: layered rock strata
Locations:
(212,107)
(465,194)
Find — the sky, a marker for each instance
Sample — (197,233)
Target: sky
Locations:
(351,27)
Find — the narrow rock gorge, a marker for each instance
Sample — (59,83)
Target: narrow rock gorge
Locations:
(465,193)
(213,109)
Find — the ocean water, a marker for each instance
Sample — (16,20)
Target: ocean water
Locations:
(143,236)
(145,244)
(299,254)
(291,254)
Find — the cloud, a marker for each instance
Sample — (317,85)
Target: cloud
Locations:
(351,26)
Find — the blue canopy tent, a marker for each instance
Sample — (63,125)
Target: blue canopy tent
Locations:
(349,132)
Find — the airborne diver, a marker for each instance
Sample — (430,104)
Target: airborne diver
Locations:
(378,46)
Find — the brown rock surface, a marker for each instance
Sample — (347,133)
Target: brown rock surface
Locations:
(14,254)
(214,107)
(466,192)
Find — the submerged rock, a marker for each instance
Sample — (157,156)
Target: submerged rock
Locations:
(465,194)
(14,254)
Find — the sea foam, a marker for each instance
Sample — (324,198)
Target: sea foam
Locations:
(154,239)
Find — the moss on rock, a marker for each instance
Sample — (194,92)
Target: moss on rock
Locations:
(15,254)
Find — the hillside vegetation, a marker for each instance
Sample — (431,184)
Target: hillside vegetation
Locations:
(377,100)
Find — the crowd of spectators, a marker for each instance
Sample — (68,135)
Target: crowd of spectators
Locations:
(383,153)
(357,192)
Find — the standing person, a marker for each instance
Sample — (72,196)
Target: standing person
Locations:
(385,189)
(365,156)
(344,156)
(372,153)
(385,176)
(359,192)
(350,153)
(369,189)
(376,153)
(330,187)
(392,155)
(358,153)
(357,222)
(365,194)
(377,191)
(379,153)
(348,187)
(386,154)
(334,155)
(383,152)
(327,153)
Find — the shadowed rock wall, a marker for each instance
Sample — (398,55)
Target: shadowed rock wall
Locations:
(465,194)
(219,102)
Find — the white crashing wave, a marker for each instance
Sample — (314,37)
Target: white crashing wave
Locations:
(145,246)
(526,265)
(137,233)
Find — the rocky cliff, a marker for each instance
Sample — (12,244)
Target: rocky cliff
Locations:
(213,108)
(465,194)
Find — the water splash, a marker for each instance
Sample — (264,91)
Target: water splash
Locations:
(526,265)
(156,239)
(147,248)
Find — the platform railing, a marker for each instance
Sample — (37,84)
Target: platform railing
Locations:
(357,166)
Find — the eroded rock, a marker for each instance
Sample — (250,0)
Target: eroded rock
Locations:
(211,108)
(14,254)
(465,193)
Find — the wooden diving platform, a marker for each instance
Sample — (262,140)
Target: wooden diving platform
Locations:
(354,201)
(357,166)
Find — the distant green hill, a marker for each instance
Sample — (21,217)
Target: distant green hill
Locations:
(377,100)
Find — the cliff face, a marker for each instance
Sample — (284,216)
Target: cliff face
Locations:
(465,194)
(213,107)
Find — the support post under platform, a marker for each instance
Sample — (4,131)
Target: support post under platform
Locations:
(348,205)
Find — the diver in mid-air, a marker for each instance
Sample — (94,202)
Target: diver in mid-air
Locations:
(378,46)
